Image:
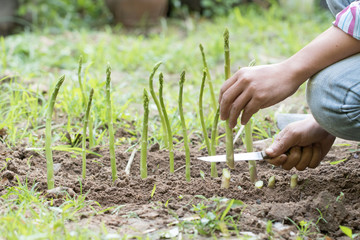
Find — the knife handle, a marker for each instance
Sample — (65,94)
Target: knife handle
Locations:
(265,156)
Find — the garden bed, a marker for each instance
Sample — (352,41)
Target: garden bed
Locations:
(329,192)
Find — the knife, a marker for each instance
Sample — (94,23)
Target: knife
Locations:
(237,157)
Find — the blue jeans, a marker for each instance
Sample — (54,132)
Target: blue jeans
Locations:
(333,94)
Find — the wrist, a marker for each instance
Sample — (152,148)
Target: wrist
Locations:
(297,72)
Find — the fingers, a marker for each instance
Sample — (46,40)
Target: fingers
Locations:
(316,156)
(286,139)
(235,110)
(305,159)
(293,158)
(230,96)
(228,83)
(278,161)
(300,158)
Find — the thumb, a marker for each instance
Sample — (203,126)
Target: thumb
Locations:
(283,142)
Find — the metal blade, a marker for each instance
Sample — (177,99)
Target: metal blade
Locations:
(237,157)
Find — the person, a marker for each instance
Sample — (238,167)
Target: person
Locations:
(331,62)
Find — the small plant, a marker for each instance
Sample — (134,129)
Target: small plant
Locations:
(86,121)
(305,227)
(183,125)
(167,122)
(215,217)
(228,130)
(348,232)
(269,229)
(144,137)
(110,124)
(156,101)
(48,150)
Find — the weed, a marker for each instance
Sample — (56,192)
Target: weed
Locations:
(215,218)
(348,232)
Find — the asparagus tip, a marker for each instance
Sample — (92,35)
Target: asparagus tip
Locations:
(226,36)
(201,47)
(108,70)
(161,78)
(146,96)
(157,65)
(182,77)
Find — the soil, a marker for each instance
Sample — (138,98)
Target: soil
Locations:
(330,191)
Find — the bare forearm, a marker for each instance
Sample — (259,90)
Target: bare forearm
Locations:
(331,46)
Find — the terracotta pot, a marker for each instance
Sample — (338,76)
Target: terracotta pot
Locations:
(133,13)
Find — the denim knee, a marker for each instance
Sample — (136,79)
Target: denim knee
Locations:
(333,96)
(336,6)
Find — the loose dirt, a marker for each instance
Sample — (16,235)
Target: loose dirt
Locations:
(329,191)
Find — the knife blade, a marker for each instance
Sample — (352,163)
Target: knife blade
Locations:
(237,157)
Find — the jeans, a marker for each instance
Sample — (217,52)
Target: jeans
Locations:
(333,94)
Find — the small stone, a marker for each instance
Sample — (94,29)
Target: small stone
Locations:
(155,147)
(150,215)
(60,192)
(57,167)
(8,174)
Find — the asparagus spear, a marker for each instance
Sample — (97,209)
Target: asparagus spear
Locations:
(86,121)
(144,137)
(228,130)
(183,125)
(110,125)
(168,127)
(48,150)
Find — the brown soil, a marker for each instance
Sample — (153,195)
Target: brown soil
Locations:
(319,190)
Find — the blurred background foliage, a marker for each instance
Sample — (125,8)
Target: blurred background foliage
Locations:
(60,15)
(64,14)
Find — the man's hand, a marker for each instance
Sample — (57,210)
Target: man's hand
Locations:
(253,88)
(305,143)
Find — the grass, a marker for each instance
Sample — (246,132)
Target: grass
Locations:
(267,36)
(25,214)
(176,46)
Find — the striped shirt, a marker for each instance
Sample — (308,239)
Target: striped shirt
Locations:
(348,20)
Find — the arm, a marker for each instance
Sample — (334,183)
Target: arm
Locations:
(251,89)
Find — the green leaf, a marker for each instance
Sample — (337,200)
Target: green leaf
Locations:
(153,191)
(202,174)
(338,161)
(347,231)
(231,202)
